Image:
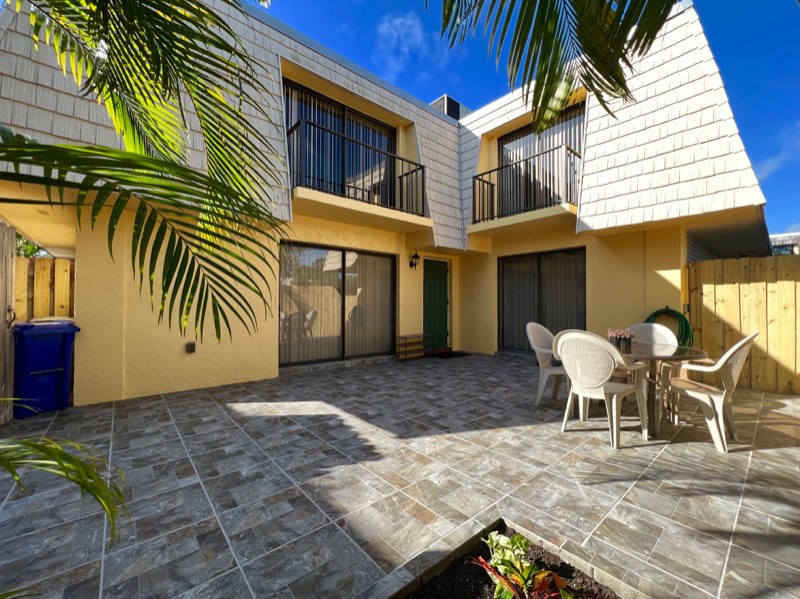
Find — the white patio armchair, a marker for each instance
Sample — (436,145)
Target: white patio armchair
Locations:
(541,340)
(652,332)
(590,362)
(658,334)
(714,401)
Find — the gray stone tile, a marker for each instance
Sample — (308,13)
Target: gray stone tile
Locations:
(170,564)
(203,443)
(497,470)
(752,575)
(403,466)
(310,463)
(452,494)
(159,514)
(579,505)
(347,489)
(407,472)
(261,526)
(239,487)
(30,558)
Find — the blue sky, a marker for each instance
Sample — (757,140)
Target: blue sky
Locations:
(756,46)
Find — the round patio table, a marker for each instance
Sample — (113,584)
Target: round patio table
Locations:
(652,354)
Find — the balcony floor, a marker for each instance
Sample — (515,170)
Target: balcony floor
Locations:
(351,482)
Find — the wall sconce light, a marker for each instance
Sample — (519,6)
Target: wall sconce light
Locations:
(414,261)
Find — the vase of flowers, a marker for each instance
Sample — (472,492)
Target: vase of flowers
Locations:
(621,338)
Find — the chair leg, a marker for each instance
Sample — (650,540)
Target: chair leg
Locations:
(714,427)
(641,402)
(570,401)
(583,409)
(727,418)
(540,388)
(557,378)
(614,410)
(675,405)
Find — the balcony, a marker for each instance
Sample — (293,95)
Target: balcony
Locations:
(550,178)
(327,161)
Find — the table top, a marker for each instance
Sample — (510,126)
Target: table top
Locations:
(664,352)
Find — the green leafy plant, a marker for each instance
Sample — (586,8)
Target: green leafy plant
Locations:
(552,45)
(204,238)
(515,577)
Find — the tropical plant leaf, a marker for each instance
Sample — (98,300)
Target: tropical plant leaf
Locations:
(552,45)
(71,461)
(224,267)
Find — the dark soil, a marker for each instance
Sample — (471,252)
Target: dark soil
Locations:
(465,581)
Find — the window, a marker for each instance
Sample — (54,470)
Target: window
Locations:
(548,288)
(534,168)
(334,304)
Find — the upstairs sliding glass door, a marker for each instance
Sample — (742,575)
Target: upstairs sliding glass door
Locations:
(334,304)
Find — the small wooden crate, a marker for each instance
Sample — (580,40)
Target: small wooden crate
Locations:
(409,347)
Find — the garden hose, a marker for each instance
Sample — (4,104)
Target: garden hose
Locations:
(685,335)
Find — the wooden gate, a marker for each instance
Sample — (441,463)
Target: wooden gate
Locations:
(7,247)
(730,299)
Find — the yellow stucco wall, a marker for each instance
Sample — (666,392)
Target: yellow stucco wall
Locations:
(627,277)
(122,351)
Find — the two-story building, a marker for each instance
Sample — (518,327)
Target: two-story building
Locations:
(402,220)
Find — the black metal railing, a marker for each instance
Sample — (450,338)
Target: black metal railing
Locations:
(325,160)
(546,179)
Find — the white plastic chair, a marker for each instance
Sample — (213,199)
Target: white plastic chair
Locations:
(590,361)
(715,402)
(308,324)
(541,341)
(652,332)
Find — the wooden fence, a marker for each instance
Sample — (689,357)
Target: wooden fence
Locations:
(729,299)
(44,287)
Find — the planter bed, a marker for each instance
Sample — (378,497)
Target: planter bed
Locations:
(465,581)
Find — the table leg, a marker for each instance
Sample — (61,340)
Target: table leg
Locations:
(653,405)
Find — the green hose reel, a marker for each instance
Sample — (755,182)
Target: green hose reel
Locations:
(685,335)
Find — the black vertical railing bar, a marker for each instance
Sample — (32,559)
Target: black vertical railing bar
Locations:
(328,161)
(526,185)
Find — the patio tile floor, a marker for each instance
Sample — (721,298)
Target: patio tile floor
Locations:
(351,482)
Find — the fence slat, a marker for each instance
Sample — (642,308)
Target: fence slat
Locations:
(758,320)
(42,271)
(746,306)
(783,350)
(731,309)
(695,304)
(61,287)
(773,325)
(21,266)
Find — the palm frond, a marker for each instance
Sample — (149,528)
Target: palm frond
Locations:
(71,461)
(192,266)
(154,53)
(552,44)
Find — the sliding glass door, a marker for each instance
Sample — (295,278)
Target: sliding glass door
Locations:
(334,304)
(548,288)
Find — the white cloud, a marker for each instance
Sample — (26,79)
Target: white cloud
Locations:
(788,152)
(401,38)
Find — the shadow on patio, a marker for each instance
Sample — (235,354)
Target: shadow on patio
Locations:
(354,481)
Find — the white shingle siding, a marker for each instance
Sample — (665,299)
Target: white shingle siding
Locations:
(36,99)
(676,149)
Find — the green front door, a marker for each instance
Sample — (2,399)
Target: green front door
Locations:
(435,302)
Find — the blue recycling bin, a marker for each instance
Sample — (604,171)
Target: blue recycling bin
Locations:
(43,354)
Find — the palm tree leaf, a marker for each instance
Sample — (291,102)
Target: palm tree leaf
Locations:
(86,469)
(550,45)
(219,263)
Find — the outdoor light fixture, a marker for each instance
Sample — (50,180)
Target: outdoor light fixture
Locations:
(414,261)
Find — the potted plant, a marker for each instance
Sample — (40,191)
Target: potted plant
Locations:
(621,338)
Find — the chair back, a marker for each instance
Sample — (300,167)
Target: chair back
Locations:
(541,340)
(732,363)
(652,332)
(589,360)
